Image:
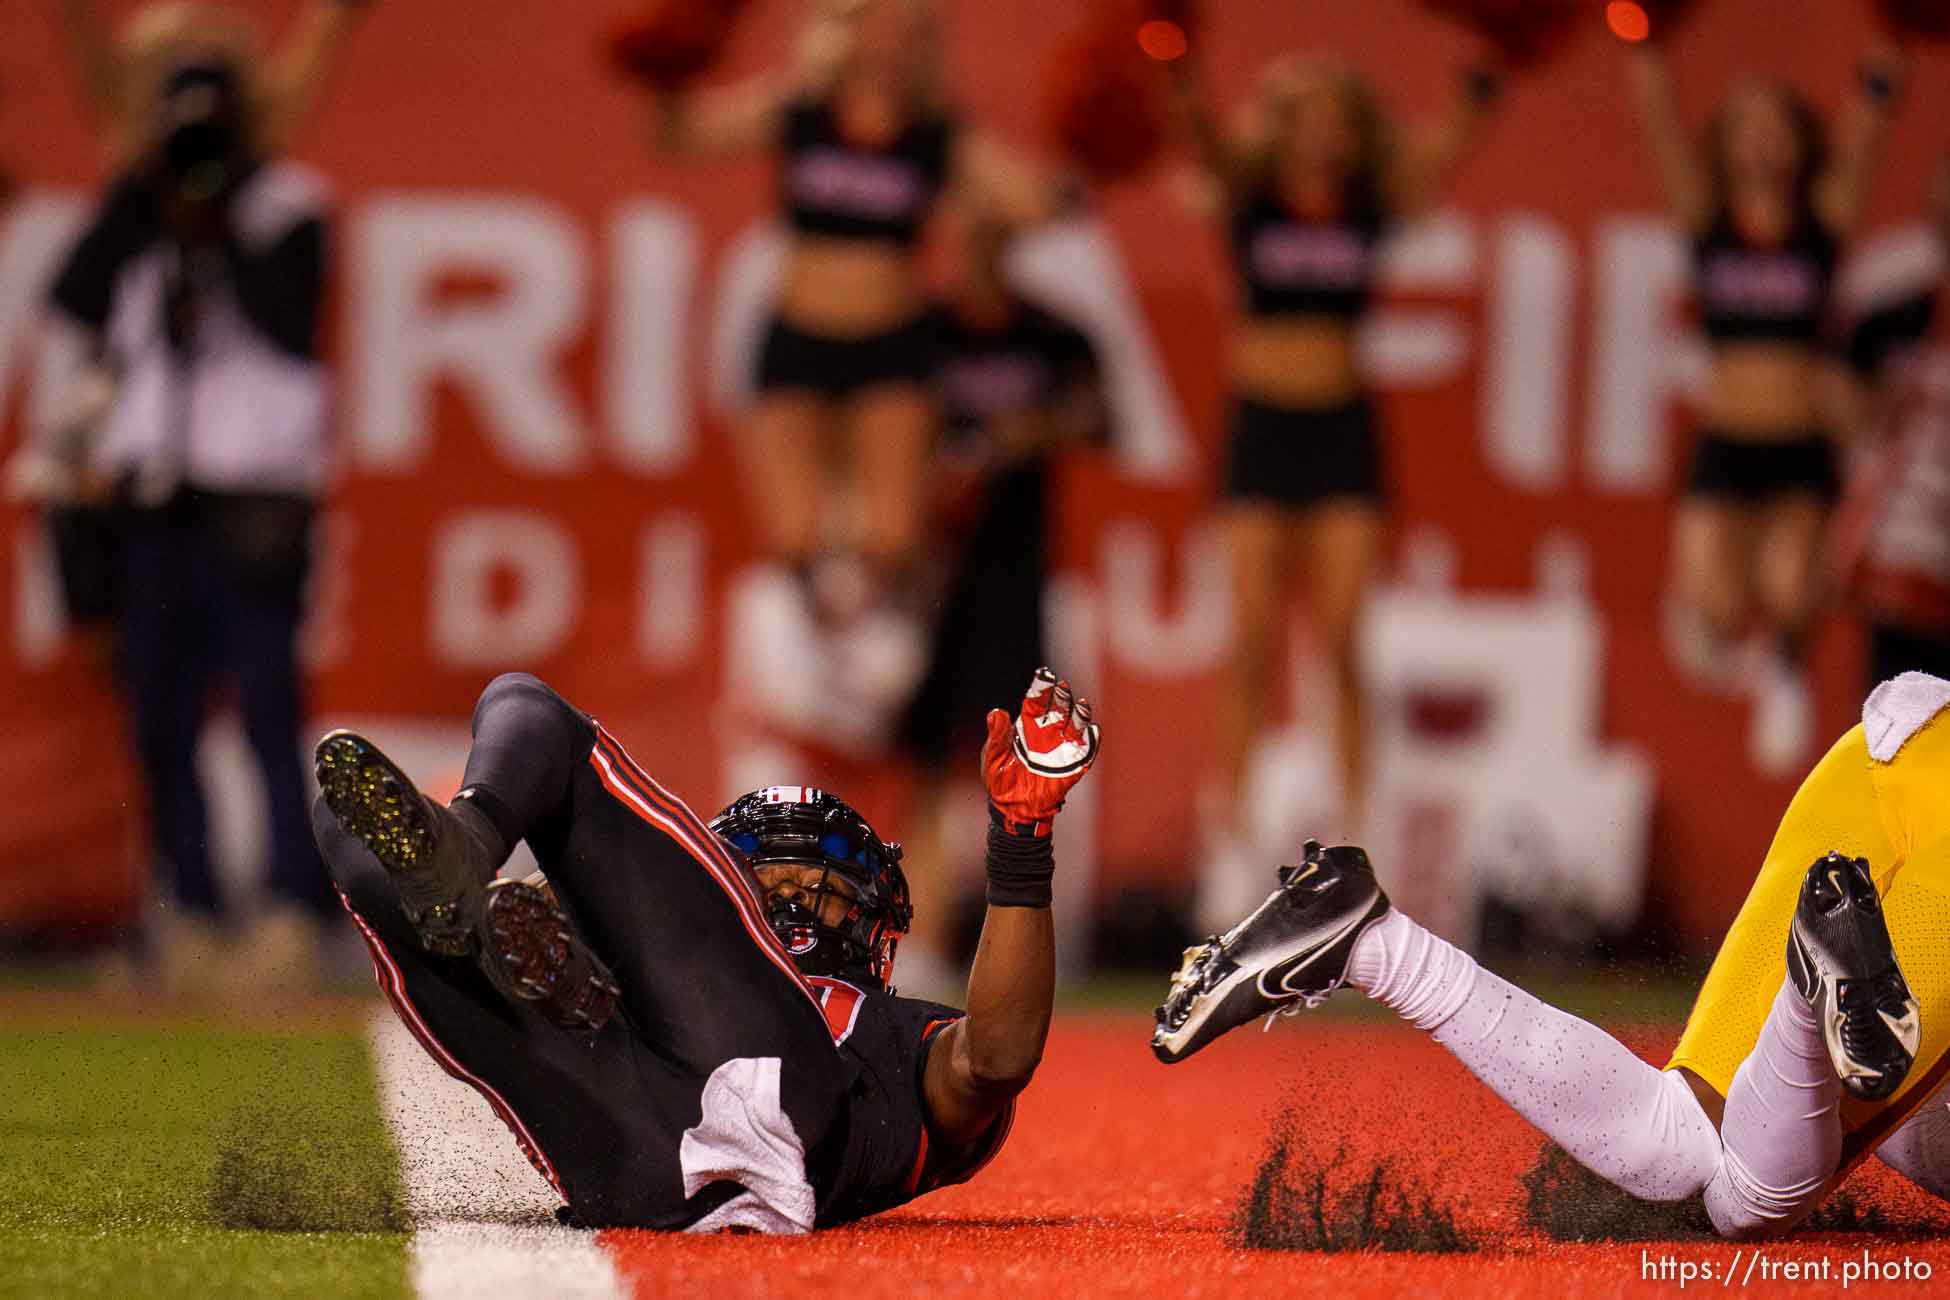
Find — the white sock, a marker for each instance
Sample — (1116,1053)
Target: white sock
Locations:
(1630,1123)
(1782,1129)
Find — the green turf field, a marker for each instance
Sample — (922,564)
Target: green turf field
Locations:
(194,1161)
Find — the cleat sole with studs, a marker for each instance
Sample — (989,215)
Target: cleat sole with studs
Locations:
(378,805)
(531,955)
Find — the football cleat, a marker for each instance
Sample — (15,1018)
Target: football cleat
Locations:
(531,953)
(1289,954)
(438,860)
(1842,963)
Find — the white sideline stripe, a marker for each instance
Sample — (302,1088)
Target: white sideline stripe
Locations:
(492,1260)
(457,1160)
(486,1219)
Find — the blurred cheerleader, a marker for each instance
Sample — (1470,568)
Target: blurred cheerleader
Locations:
(1310,181)
(121,74)
(868,144)
(1766,205)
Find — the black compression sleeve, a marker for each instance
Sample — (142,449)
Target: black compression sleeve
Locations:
(528,743)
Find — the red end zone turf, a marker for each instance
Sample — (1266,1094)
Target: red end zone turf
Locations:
(1122,1179)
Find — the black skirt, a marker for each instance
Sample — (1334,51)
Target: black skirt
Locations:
(791,358)
(1301,457)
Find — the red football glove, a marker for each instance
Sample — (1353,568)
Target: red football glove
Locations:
(1030,766)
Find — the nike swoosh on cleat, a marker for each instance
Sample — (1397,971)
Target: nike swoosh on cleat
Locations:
(1286,989)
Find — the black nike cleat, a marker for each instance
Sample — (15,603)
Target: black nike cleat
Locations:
(1843,965)
(440,862)
(532,954)
(1292,952)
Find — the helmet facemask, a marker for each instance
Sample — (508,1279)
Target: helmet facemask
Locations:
(796,826)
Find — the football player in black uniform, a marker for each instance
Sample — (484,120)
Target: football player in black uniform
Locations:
(691,1026)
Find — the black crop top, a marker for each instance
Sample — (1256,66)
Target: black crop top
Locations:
(1764,294)
(984,375)
(842,190)
(1294,266)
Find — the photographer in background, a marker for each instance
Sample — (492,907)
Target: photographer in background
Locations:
(197,290)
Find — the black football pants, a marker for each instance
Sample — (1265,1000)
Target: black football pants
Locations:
(677,917)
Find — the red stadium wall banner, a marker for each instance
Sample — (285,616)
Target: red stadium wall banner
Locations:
(535,323)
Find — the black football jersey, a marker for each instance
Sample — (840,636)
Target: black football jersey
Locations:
(985,374)
(889,1157)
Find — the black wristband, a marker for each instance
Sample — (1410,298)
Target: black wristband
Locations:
(1878,83)
(1020,866)
(1482,86)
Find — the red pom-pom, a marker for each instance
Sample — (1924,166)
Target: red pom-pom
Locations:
(1633,21)
(1182,14)
(1130,17)
(1162,40)
(1106,95)
(1105,103)
(1523,31)
(673,41)
(1929,19)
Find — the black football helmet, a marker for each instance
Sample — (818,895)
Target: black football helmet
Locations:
(801,825)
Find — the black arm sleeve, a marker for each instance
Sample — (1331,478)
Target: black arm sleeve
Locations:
(1888,330)
(127,222)
(282,288)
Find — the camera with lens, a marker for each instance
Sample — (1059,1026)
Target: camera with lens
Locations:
(203,145)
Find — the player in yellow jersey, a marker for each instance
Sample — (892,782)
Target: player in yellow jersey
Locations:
(1821,1034)
(1881,794)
